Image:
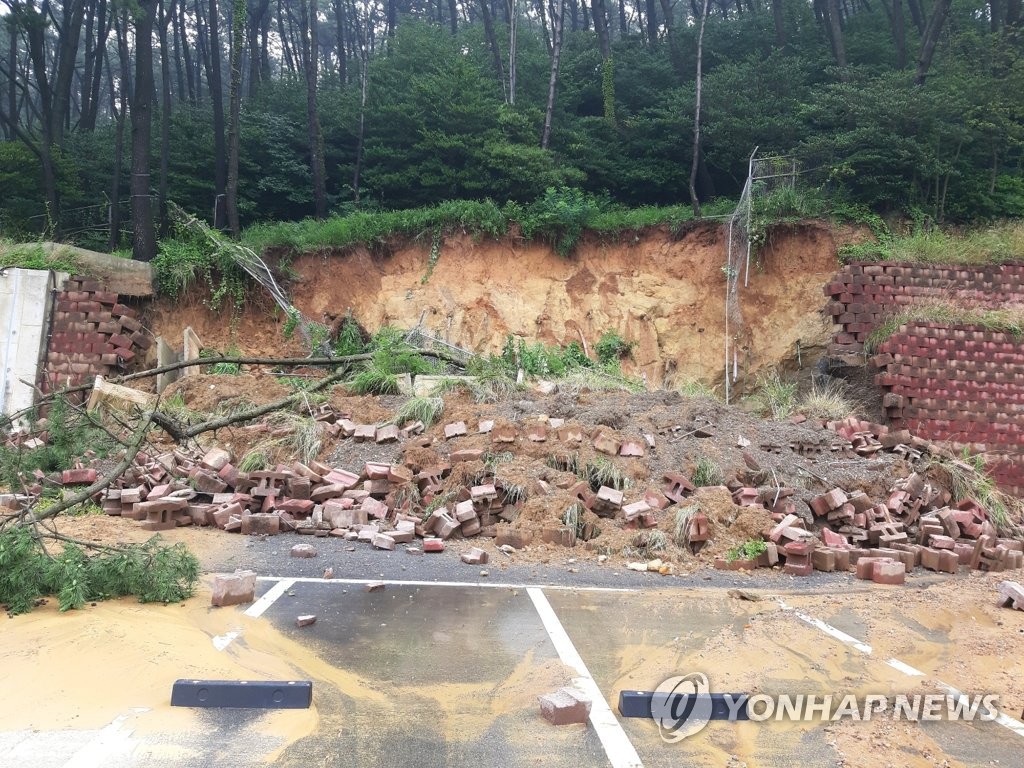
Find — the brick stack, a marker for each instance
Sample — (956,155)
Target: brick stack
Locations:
(958,384)
(863,294)
(92,334)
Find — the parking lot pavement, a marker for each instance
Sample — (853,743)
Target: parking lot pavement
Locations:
(431,674)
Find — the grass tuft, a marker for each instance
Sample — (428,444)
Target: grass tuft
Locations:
(996,244)
(681,524)
(425,409)
(707,473)
(829,401)
(775,398)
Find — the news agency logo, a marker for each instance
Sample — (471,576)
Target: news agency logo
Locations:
(682,706)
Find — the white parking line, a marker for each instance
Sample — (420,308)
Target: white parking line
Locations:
(256,609)
(616,743)
(1004,720)
(111,742)
(411,583)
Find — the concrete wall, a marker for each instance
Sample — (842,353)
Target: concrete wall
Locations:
(25,300)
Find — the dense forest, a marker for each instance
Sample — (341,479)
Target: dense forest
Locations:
(252,110)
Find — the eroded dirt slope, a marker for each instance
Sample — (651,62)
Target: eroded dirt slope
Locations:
(664,291)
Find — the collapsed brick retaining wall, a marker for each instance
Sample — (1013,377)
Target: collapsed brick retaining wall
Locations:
(92,334)
(863,294)
(961,384)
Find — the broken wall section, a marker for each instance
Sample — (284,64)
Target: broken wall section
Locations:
(93,334)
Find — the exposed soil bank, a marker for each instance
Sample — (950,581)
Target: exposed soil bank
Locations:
(663,290)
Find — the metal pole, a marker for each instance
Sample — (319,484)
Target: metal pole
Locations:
(728,288)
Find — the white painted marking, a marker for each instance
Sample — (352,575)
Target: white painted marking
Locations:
(828,629)
(109,743)
(410,583)
(220,642)
(906,669)
(1004,720)
(616,743)
(260,606)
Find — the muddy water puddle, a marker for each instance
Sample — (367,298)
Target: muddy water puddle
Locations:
(447,676)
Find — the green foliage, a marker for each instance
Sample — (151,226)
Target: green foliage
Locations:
(71,434)
(187,259)
(392,356)
(995,244)
(34,256)
(223,369)
(748,550)
(611,347)
(435,254)
(560,217)
(152,571)
(573,519)
(694,388)
(256,459)
(966,477)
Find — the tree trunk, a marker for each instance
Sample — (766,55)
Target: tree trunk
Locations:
(916,15)
(600,15)
(674,54)
(780,28)
(453,13)
(695,201)
(492,43)
(12,78)
(238,25)
(512,13)
(623,26)
(310,57)
(652,21)
(835,29)
(539,5)
(186,55)
(253,26)
(931,39)
(899,33)
(165,111)
(220,159)
(178,55)
(392,17)
(143,235)
(339,31)
(556,53)
(114,241)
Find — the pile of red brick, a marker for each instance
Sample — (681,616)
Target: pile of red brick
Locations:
(883,540)
(92,334)
(863,294)
(382,503)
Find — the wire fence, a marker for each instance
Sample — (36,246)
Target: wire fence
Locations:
(764,175)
